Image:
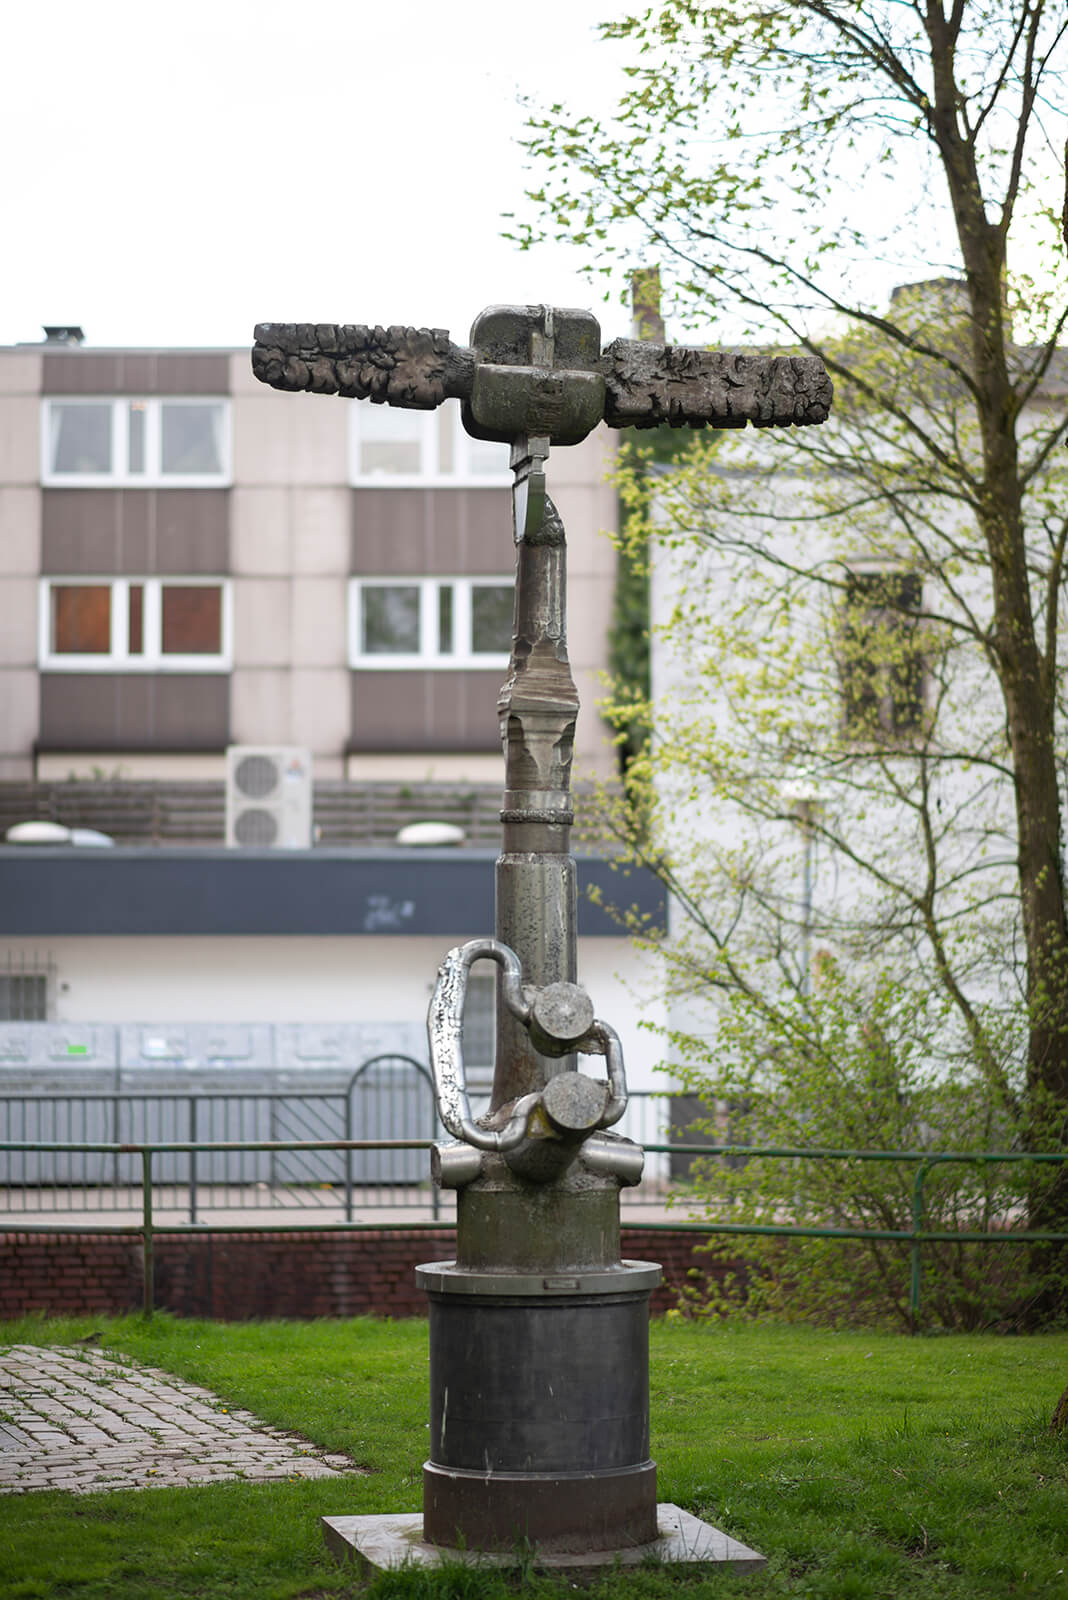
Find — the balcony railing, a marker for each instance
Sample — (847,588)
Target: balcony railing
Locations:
(152,812)
(158,812)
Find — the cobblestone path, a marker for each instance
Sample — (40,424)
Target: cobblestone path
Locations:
(77,1420)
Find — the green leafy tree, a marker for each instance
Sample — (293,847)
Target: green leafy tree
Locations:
(628,635)
(868,617)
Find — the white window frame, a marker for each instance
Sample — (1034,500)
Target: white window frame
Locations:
(425,427)
(428,655)
(119,474)
(118,658)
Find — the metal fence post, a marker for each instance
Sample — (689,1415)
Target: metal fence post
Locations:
(192,1158)
(116,1139)
(149,1244)
(272,1160)
(917,1227)
(348,1153)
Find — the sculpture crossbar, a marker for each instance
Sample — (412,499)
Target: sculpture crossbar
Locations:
(539,1378)
(629,384)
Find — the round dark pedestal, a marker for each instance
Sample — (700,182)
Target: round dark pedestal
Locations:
(539,1409)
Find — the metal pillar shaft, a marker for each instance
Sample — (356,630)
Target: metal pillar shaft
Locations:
(539,1369)
(536,879)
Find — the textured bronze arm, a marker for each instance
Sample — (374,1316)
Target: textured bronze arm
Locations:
(645,384)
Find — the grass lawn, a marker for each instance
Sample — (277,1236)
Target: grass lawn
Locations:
(864,1466)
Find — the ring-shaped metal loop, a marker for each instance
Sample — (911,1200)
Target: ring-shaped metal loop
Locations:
(445,1019)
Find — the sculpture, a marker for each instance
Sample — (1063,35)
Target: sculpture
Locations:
(539,1330)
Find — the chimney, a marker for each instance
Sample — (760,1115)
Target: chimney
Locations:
(646,321)
(69,335)
(938,303)
(935,299)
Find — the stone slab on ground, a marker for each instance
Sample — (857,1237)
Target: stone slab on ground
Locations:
(78,1420)
(379,1543)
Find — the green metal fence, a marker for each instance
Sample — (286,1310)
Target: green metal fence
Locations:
(147,1229)
(388,1097)
(916,1236)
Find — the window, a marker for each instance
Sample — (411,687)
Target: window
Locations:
(394,448)
(135,625)
(430,622)
(103,442)
(882,664)
(391,442)
(25,981)
(23,997)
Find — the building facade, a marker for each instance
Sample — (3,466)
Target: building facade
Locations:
(191,560)
(834,772)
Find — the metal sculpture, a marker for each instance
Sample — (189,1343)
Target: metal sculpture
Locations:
(539,1381)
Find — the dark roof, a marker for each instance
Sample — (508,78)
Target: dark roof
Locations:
(50,892)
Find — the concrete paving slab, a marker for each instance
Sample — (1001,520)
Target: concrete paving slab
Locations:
(153,1431)
(383,1542)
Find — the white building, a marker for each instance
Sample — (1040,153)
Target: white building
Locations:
(833,774)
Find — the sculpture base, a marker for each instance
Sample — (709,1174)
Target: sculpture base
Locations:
(383,1542)
(539,1408)
(559,1512)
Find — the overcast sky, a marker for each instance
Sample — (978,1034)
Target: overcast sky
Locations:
(176,170)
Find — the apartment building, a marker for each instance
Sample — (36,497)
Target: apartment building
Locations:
(191,560)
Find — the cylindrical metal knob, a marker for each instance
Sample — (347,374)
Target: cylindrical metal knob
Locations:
(618,1158)
(574,1104)
(453,1165)
(561,1016)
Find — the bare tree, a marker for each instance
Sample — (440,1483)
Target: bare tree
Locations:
(786,163)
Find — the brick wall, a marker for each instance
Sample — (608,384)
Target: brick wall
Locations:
(233,1276)
(69,1274)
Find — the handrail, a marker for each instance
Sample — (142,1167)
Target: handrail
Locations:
(917,1235)
(58,1147)
(829,1153)
(148,1228)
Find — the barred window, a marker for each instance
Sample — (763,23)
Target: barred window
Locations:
(24,988)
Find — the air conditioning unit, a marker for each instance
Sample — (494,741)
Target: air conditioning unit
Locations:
(268,797)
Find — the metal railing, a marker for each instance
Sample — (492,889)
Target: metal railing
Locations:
(186,812)
(388,1097)
(148,1227)
(916,1236)
(347,1151)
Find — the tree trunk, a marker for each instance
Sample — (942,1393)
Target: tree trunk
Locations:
(1059,1420)
(1029,694)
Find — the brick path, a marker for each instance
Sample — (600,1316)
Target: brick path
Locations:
(77,1420)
